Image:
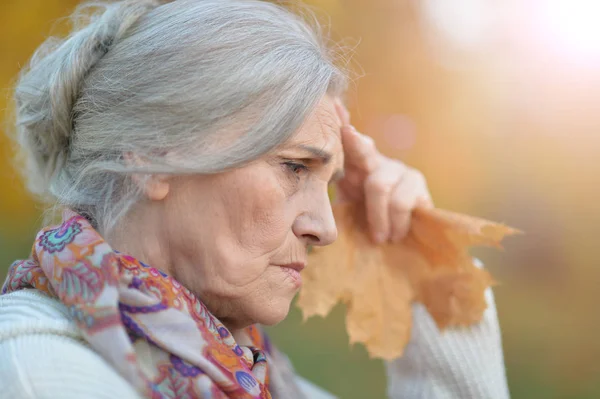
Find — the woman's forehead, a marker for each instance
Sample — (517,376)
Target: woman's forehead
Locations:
(323,125)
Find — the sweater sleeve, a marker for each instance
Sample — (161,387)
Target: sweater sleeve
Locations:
(42,366)
(465,363)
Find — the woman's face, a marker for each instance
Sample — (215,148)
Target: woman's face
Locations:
(238,239)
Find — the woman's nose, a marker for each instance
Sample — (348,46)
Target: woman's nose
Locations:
(316,225)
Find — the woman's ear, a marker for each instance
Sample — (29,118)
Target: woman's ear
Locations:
(155,186)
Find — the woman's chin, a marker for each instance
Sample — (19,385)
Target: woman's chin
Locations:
(276,312)
(292,277)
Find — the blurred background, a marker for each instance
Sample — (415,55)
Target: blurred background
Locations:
(498,103)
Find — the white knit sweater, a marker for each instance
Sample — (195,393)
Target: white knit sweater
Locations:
(43,356)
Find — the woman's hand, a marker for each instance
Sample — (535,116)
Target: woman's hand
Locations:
(389,188)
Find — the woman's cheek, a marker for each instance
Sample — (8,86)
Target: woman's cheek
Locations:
(260,228)
(271,219)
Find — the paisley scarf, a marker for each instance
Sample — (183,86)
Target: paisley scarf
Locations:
(150,328)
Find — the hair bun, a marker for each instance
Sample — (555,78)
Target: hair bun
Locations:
(48,89)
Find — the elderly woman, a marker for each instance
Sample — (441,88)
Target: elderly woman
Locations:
(190,146)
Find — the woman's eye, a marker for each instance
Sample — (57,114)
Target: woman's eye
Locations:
(295,167)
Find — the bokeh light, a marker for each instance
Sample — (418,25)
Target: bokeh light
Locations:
(571,28)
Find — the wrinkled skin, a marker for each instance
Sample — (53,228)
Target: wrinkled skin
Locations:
(233,238)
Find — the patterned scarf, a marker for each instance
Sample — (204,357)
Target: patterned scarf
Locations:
(150,328)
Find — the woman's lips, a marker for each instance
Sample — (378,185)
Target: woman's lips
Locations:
(298,266)
(293,270)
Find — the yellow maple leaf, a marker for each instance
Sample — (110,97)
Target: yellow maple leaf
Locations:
(378,283)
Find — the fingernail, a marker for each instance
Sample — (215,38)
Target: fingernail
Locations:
(380,238)
(366,139)
(351,129)
(345,113)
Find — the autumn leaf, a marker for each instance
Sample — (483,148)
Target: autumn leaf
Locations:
(373,288)
(334,280)
(456,298)
(378,283)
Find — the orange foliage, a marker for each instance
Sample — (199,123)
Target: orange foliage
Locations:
(379,283)
(25,25)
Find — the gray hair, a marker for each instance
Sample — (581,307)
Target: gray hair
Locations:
(190,86)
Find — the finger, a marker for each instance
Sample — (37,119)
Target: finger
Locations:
(359,151)
(425,202)
(402,202)
(378,188)
(342,112)
(351,187)
(409,193)
(352,178)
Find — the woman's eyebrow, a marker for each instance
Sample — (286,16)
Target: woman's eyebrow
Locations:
(325,157)
(320,153)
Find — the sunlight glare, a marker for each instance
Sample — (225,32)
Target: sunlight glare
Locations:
(573,26)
